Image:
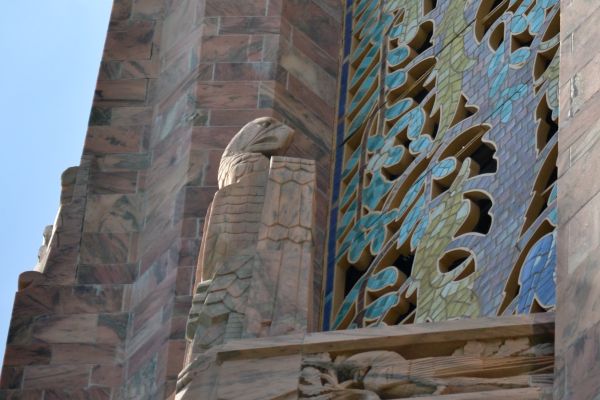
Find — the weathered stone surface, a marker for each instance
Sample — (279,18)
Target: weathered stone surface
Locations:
(256,258)
(161,118)
(487,358)
(281,372)
(578,319)
(387,374)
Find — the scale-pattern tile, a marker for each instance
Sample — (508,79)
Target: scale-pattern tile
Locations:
(444,194)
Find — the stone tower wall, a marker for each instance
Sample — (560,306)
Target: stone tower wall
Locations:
(578,318)
(106,318)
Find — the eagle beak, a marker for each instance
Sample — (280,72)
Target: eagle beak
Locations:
(275,141)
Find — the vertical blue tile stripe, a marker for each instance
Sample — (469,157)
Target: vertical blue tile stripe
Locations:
(343,91)
(331,245)
(348,33)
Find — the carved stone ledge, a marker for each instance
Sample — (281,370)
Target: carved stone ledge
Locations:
(472,356)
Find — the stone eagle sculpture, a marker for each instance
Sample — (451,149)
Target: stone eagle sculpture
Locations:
(247,151)
(255,262)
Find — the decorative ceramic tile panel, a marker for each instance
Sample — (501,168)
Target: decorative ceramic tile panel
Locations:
(444,197)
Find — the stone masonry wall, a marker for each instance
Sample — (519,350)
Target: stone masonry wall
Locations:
(578,311)
(106,318)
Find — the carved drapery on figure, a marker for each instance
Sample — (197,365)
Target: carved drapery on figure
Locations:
(255,262)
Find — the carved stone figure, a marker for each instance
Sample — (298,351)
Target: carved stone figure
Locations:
(255,262)
(43,250)
(249,148)
(478,366)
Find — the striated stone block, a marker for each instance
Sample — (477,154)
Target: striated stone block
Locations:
(75,354)
(113,182)
(113,213)
(93,393)
(105,248)
(130,116)
(101,139)
(37,300)
(23,394)
(255,71)
(231,48)
(252,25)
(109,375)
(227,95)
(91,299)
(216,8)
(210,139)
(315,22)
(235,119)
(56,376)
(31,354)
(147,9)
(121,10)
(244,379)
(12,378)
(112,328)
(130,91)
(130,41)
(311,74)
(66,329)
(107,274)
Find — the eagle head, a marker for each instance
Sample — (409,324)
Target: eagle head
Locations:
(265,135)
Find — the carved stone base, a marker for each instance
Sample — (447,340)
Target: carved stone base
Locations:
(488,358)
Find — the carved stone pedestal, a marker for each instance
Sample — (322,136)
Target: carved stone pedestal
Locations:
(487,358)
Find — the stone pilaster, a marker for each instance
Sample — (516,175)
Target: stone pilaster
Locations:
(578,301)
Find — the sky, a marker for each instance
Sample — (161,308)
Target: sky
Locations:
(51,53)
